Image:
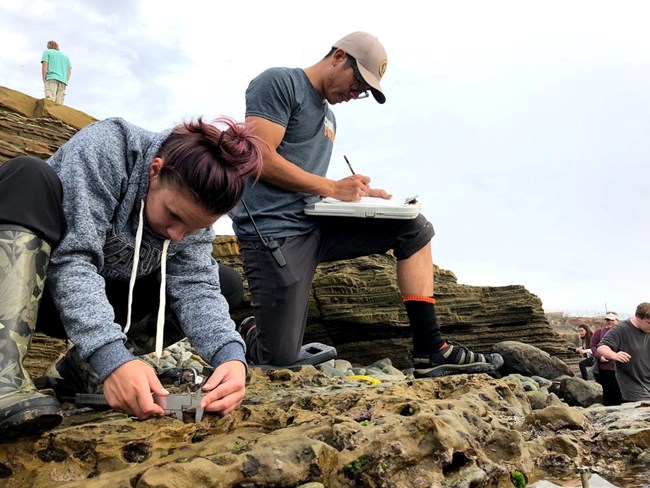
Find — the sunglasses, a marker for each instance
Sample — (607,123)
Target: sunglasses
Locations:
(359,85)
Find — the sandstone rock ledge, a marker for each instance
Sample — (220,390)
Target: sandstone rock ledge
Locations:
(35,127)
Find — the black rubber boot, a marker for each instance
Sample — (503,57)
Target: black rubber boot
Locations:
(23,261)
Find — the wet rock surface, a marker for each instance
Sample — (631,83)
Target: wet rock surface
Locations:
(340,425)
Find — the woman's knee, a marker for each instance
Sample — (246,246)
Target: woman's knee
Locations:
(32,197)
(28,169)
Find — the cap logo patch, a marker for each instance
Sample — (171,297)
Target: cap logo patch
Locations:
(382,68)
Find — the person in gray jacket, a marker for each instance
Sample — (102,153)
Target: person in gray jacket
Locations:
(124,217)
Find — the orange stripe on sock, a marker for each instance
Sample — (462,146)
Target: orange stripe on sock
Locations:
(418,298)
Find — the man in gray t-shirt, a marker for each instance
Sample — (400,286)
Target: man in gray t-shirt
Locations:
(629,345)
(281,245)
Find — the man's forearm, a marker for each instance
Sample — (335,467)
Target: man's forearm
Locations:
(606,352)
(279,172)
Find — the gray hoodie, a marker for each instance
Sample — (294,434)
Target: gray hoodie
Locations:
(104,170)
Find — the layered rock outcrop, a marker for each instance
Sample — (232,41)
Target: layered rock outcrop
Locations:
(356,306)
(35,127)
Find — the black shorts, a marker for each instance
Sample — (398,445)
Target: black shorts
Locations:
(280,295)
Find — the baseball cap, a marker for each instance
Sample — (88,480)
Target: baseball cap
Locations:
(611,316)
(371,59)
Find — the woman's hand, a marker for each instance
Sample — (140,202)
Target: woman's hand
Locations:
(226,387)
(128,389)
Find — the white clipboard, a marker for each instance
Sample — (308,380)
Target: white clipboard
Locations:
(367,207)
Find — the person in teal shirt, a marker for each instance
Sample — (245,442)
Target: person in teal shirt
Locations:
(56,70)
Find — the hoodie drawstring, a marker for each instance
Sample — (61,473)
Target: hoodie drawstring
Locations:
(136,263)
(160,322)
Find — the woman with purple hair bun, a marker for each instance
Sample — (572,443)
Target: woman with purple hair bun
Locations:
(121,219)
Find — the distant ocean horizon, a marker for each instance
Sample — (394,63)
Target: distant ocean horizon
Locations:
(586,313)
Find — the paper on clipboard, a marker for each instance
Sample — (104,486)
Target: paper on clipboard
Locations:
(367,207)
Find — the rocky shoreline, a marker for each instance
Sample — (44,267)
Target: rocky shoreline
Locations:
(337,425)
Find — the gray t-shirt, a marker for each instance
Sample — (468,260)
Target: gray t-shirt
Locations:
(286,97)
(634,376)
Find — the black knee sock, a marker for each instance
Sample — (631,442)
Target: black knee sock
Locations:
(426,333)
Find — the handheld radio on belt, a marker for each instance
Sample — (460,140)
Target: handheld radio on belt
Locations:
(270,244)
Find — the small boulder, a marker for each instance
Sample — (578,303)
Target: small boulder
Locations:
(578,392)
(558,417)
(529,360)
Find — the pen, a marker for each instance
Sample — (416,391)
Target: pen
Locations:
(349,165)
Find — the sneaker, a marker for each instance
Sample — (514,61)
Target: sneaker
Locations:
(70,375)
(246,330)
(246,327)
(455,359)
(313,353)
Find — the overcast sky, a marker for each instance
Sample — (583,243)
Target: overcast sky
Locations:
(523,126)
